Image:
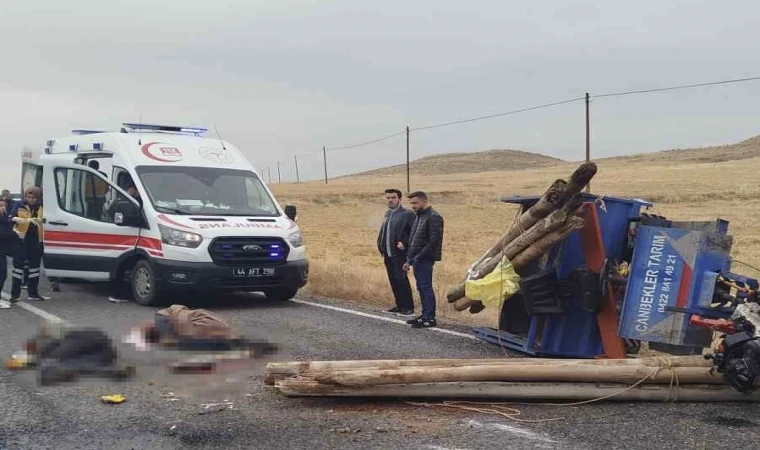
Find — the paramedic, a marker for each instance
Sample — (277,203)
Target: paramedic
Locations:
(27,219)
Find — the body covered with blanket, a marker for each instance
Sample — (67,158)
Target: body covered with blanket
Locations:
(196,329)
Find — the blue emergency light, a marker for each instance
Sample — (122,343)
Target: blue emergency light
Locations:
(197,131)
(73,147)
(97,146)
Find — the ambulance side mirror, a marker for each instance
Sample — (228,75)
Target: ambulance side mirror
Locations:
(290,212)
(127,214)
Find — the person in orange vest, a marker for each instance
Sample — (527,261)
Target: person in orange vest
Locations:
(27,219)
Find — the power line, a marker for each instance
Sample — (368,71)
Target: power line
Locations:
(374,141)
(532,108)
(516,111)
(362,144)
(682,86)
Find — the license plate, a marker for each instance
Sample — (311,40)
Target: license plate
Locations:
(253,272)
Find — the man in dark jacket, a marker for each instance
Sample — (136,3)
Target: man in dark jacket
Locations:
(425,248)
(392,242)
(10,204)
(7,238)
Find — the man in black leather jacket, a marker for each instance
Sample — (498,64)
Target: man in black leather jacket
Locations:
(425,249)
(392,242)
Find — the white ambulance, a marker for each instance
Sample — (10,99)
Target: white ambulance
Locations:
(166,210)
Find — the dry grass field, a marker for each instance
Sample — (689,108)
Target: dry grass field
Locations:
(340,220)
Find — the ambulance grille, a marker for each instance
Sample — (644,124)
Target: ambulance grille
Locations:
(249,251)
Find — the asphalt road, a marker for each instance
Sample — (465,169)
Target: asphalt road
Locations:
(168,412)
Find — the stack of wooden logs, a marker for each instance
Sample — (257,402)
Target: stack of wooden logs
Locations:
(535,232)
(675,378)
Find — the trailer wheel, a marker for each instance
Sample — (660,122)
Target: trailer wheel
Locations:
(143,283)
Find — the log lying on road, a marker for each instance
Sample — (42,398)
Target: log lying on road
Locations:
(521,391)
(282,370)
(628,374)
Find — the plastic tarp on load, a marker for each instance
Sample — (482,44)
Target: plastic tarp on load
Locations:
(501,283)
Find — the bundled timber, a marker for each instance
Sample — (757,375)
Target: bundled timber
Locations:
(546,243)
(559,205)
(548,202)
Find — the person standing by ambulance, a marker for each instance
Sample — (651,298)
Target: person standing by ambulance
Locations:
(27,219)
(7,238)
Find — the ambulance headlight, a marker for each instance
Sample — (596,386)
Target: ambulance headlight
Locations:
(179,238)
(296,239)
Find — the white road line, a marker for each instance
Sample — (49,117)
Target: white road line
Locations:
(540,439)
(34,310)
(386,319)
(52,318)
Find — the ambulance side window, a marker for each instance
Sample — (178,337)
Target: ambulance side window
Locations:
(84,194)
(31,176)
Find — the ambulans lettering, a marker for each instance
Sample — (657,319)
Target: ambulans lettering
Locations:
(204,226)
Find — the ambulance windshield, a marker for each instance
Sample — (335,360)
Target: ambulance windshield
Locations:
(206,191)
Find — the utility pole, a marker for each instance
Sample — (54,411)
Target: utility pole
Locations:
(279,177)
(588,136)
(324,156)
(408,180)
(269,175)
(298,177)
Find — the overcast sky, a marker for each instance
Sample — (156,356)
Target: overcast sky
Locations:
(280,78)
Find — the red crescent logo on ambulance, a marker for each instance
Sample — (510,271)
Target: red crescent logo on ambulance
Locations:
(161,151)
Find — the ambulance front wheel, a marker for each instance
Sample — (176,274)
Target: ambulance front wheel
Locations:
(144,289)
(281,294)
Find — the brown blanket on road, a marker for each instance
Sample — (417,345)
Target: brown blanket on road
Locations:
(197,323)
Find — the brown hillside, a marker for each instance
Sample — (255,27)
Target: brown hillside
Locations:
(721,153)
(487,161)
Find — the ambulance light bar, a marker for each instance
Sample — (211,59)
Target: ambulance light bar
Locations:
(83,132)
(166,128)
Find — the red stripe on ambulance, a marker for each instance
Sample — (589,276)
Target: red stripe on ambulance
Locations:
(102,241)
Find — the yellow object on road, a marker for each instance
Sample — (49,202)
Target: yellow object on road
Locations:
(114,398)
(500,284)
(14,364)
(17,361)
